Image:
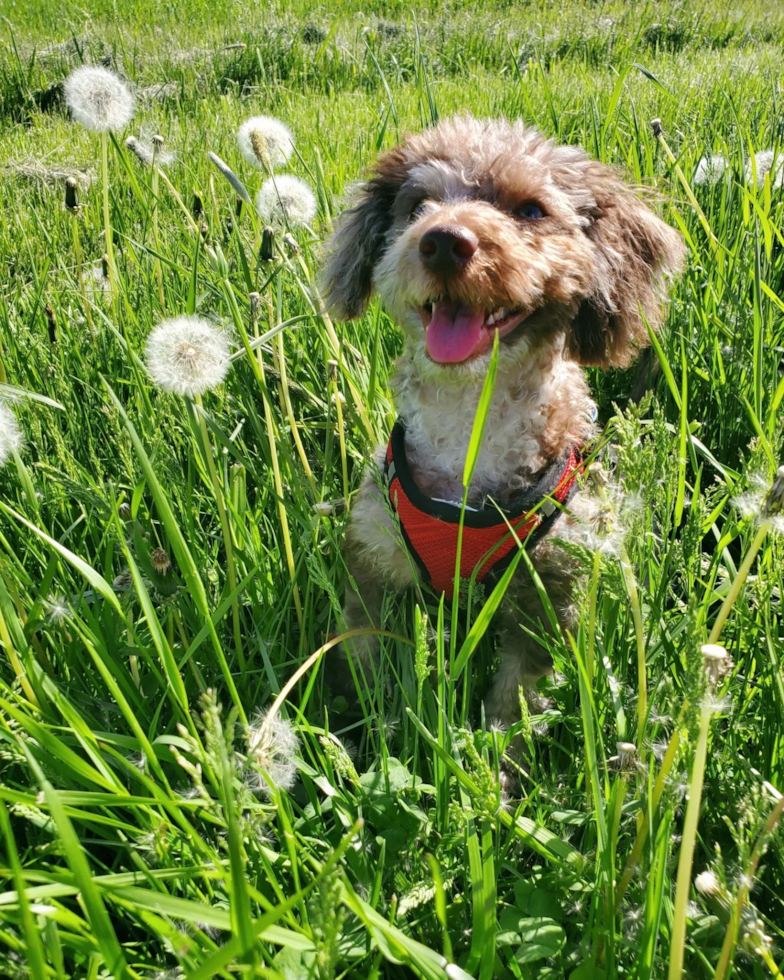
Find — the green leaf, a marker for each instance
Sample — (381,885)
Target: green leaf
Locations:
(480,419)
(541,938)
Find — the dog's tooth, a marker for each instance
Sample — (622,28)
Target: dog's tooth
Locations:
(491,320)
(500,314)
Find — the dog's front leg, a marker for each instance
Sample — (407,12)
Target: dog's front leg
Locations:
(524,658)
(376,561)
(523,661)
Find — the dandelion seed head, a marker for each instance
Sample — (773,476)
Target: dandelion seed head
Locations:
(96,281)
(272,743)
(763,501)
(718,706)
(765,162)
(150,152)
(286,200)
(58,610)
(659,749)
(710,170)
(187,355)
(707,883)
(10,434)
(98,99)
(265,142)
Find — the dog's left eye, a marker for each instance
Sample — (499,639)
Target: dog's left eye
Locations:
(529,210)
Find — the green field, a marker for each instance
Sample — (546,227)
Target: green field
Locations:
(145,829)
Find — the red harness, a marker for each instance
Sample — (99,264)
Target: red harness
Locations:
(431,527)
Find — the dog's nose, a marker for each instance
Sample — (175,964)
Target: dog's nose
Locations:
(447,248)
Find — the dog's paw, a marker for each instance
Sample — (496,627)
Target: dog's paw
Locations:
(352,662)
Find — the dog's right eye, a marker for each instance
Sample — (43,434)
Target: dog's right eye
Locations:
(530,210)
(417,211)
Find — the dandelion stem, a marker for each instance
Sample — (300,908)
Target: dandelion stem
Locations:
(737,584)
(111,270)
(284,523)
(226,530)
(269,422)
(155,229)
(686,856)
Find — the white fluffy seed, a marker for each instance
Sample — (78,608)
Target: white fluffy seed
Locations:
(265,142)
(187,355)
(10,433)
(286,200)
(99,99)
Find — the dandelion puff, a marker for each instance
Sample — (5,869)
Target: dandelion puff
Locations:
(265,142)
(187,355)
(58,610)
(707,883)
(765,162)
(10,434)
(151,152)
(710,170)
(718,706)
(98,99)
(764,501)
(96,280)
(286,200)
(272,743)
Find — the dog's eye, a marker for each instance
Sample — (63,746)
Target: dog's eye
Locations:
(418,211)
(529,210)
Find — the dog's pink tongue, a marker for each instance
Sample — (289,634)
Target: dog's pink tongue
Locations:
(455,332)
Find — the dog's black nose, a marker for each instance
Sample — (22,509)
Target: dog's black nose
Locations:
(445,249)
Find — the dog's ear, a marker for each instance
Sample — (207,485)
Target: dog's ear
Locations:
(635,254)
(359,239)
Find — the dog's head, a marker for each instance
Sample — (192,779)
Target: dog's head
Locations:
(475,226)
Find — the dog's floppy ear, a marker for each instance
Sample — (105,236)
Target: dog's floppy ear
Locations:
(358,242)
(635,253)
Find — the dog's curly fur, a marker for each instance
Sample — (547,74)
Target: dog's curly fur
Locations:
(589,274)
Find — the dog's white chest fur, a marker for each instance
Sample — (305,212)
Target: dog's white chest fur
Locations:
(439,421)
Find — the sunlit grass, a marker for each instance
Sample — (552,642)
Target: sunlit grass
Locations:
(170,564)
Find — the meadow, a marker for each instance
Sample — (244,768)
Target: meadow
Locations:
(181,794)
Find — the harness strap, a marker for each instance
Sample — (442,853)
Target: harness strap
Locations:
(430,527)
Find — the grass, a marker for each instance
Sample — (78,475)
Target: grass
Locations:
(139,839)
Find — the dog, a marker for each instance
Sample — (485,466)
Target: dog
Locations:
(468,230)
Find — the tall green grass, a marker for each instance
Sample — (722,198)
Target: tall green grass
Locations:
(137,838)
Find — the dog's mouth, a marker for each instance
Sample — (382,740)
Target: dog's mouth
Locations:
(455,332)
